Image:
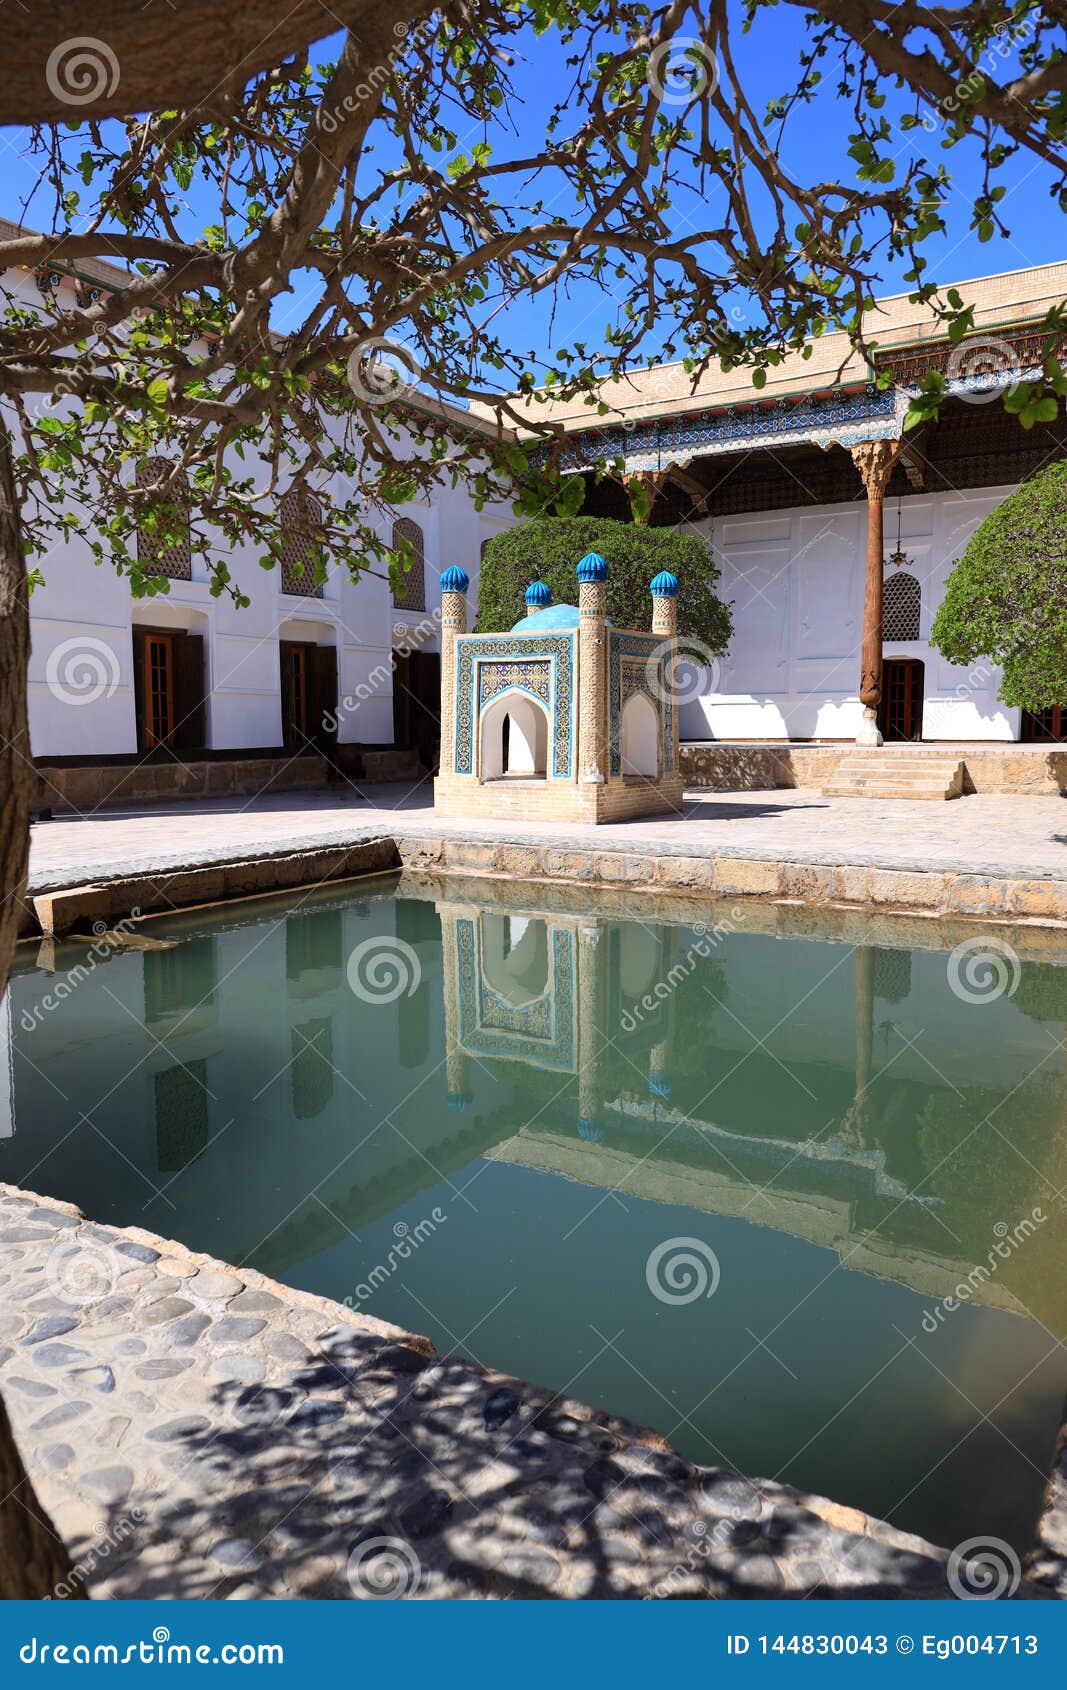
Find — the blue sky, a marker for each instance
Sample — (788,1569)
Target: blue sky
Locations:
(816,148)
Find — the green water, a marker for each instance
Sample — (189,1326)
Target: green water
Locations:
(494,1124)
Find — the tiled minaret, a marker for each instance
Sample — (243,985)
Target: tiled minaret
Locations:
(454,585)
(592,575)
(664,590)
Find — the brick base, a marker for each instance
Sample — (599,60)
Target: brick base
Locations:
(556,800)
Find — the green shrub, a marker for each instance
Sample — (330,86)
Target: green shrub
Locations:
(1006,599)
(550,548)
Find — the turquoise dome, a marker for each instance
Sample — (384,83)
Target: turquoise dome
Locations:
(592,568)
(554,616)
(538,595)
(455,580)
(664,585)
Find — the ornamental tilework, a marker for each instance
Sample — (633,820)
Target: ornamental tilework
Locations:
(873,414)
(548,1038)
(495,678)
(635,665)
(555,652)
(532,1020)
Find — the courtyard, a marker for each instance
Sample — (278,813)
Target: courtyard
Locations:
(533,833)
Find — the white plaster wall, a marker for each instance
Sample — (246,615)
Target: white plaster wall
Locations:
(795,579)
(81,693)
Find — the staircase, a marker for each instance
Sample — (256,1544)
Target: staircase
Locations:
(895,773)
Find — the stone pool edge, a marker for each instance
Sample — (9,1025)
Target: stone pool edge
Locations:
(729,1536)
(1024,901)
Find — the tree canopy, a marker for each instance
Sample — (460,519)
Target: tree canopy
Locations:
(1006,598)
(549,549)
(382,199)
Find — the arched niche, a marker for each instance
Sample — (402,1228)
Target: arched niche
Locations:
(514,738)
(639,960)
(640,737)
(514,957)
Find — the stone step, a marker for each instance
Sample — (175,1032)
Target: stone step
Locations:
(895,774)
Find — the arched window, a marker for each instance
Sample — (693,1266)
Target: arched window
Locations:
(164,540)
(901,608)
(301,542)
(411,590)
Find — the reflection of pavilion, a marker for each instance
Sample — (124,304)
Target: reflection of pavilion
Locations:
(553,990)
(548,991)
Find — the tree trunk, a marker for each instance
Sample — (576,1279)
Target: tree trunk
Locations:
(138,58)
(33,1559)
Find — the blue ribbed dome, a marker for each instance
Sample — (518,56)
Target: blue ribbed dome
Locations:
(664,585)
(553,616)
(538,596)
(592,568)
(591,1131)
(455,580)
(658,1084)
(460,1101)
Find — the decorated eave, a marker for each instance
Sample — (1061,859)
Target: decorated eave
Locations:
(843,416)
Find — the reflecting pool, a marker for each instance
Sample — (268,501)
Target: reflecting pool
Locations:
(793,1202)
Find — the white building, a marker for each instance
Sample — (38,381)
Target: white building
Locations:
(775,479)
(115,678)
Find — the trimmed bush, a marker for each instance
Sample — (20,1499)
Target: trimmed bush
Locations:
(550,548)
(1006,598)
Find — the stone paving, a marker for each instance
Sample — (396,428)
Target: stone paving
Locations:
(1005,835)
(200,1431)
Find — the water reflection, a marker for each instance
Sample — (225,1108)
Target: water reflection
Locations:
(857,1145)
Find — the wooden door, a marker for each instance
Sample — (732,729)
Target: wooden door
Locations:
(156,704)
(187,662)
(1049,725)
(323,695)
(295,694)
(901,709)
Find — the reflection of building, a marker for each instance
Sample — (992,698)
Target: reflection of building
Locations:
(543,991)
(565,717)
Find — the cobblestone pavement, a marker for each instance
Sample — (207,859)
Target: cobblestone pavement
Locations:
(198,1431)
(984,834)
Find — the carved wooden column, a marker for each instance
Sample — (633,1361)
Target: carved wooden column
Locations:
(874,459)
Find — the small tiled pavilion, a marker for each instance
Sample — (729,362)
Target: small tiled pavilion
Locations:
(565,717)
